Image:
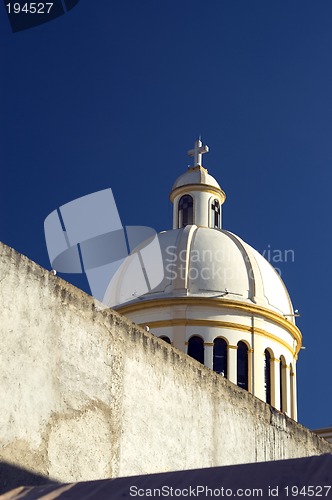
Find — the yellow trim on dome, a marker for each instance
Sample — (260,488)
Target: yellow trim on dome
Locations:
(217,324)
(197,187)
(223,303)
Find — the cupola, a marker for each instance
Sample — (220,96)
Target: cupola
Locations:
(196,196)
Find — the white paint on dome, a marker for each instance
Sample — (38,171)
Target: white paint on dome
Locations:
(206,262)
(196,176)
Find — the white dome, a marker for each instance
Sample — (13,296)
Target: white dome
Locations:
(196,175)
(200,287)
(211,295)
(205,262)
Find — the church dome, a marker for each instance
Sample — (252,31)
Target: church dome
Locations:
(210,294)
(200,262)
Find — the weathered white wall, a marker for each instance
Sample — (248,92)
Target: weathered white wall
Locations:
(85,394)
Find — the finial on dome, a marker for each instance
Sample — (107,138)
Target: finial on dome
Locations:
(197,152)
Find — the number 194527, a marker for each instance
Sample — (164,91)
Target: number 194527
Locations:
(29,8)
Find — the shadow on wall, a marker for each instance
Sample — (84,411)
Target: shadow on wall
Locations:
(12,476)
(281,478)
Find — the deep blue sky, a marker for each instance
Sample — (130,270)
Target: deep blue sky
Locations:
(114,93)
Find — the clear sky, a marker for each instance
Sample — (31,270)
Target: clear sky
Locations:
(114,93)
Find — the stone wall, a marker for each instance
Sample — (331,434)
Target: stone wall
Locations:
(86,394)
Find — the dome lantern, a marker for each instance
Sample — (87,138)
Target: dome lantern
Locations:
(196,195)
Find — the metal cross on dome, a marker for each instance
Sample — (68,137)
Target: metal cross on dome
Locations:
(197,152)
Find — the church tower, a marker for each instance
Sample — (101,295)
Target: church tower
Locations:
(220,301)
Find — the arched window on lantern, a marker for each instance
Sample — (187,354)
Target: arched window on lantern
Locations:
(215,214)
(242,365)
(186,211)
(220,356)
(196,348)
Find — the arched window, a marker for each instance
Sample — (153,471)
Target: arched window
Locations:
(166,339)
(242,365)
(186,211)
(267,375)
(220,356)
(196,348)
(215,214)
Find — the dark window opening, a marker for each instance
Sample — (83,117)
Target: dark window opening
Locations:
(267,376)
(186,211)
(166,339)
(196,348)
(281,385)
(215,207)
(242,365)
(220,356)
